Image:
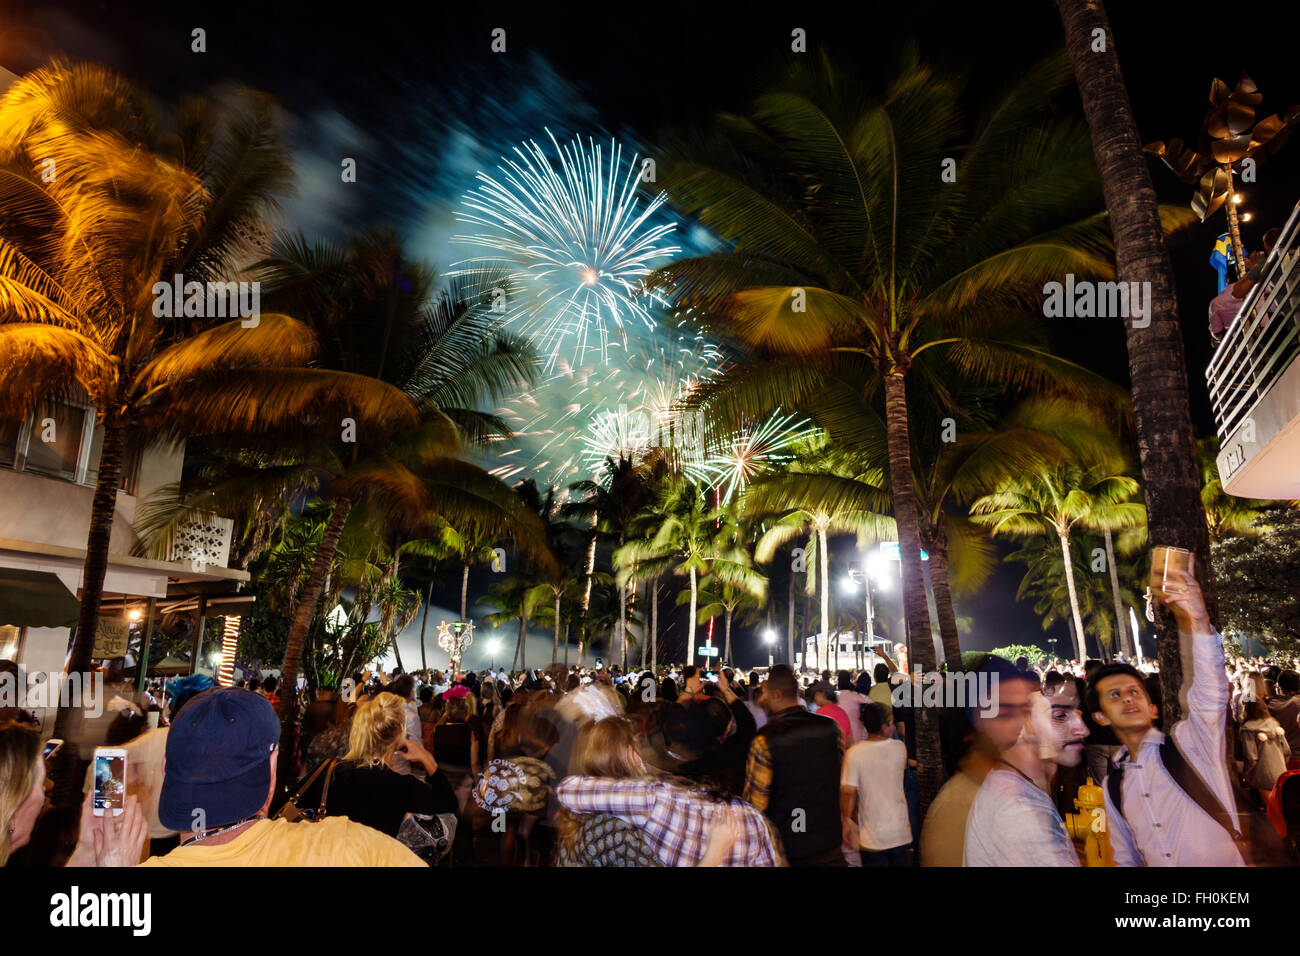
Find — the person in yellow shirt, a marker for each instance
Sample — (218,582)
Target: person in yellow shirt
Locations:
(218,781)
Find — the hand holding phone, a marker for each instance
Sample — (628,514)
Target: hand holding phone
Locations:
(110,781)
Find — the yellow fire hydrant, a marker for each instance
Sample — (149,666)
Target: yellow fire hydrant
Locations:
(1089,825)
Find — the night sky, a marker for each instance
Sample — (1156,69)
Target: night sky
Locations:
(416,95)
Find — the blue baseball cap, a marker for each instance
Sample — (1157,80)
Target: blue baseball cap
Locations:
(218,759)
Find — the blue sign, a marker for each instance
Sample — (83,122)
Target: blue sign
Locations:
(708,652)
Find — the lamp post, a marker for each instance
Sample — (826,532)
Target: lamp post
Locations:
(493,646)
(769,638)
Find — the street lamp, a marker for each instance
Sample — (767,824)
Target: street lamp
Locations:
(769,637)
(493,646)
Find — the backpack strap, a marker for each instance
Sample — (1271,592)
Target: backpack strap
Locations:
(1114,786)
(1191,784)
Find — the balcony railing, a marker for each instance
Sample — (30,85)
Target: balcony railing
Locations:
(203,542)
(1263,340)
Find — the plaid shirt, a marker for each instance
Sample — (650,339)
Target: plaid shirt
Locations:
(676,819)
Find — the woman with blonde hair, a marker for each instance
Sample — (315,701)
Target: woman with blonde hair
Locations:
(364,787)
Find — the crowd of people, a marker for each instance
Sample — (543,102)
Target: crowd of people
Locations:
(573,766)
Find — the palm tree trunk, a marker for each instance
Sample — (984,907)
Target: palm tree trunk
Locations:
(938,551)
(566,645)
(915,606)
(622,626)
(1080,644)
(690,633)
(1121,626)
(428,596)
(824,561)
(103,506)
(302,618)
(727,649)
(803,627)
(1157,369)
(464,592)
(654,623)
(555,648)
(789,631)
(519,644)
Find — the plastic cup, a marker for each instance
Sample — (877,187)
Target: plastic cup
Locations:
(1163,560)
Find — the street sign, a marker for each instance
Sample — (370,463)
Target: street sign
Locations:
(708,652)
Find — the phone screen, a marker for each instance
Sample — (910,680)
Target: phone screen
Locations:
(110,782)
(50,746)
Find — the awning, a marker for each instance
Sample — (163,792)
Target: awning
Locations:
(36,599)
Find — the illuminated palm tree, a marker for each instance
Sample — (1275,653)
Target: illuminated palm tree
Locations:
(82,251)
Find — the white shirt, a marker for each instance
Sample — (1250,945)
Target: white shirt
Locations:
(875,768)
(1013,823)
(1162,825)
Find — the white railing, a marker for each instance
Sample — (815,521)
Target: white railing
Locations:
(203,541)
(1264,338)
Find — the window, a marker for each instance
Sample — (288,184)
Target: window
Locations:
(55,442)
(10,432)
(65,443)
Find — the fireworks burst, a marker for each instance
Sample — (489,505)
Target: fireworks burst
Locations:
(568,242)
(569,423)
(749,452)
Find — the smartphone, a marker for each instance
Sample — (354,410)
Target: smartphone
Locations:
(110,781)
(598,664)
(51,747)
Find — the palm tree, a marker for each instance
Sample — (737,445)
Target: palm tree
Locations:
(447,356)
(1157,366)
(80,255)
(817,497)
(1044,581)
(1052,501)
(1226,515)
(610,505)
(732,601)
(516,596)
(842,240)
(561,580)
(690,540)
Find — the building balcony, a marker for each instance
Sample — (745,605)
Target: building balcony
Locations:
(1254,381)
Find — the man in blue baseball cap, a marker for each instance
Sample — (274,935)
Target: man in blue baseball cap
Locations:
(218,781)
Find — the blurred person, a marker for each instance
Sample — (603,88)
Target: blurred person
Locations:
(217,787)
(1285,708)
(103,841)
(881,692)
(269,688)
(943,833)
(873,805)
(792,774)
(827,701)
(851,701)
(1263,742)
(1013,821)
(403,686)
(678,823)
(366,786)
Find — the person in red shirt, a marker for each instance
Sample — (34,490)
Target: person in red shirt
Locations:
(827,702)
